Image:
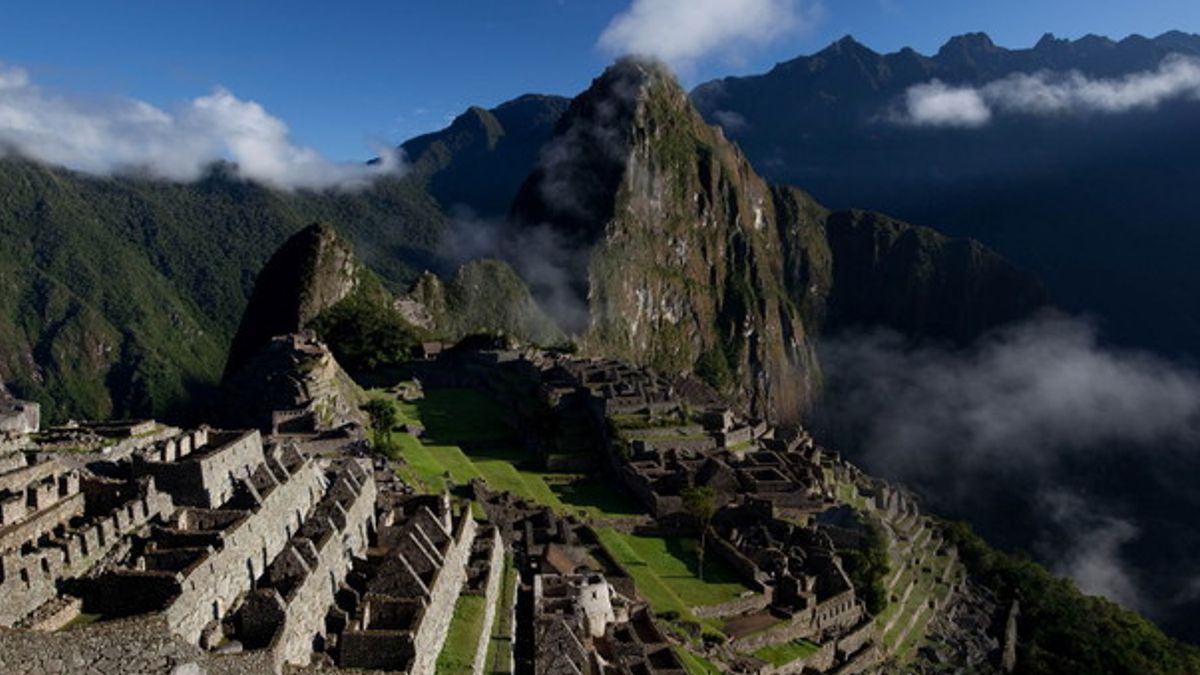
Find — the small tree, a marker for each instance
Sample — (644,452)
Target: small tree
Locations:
(383,416)
(701,503)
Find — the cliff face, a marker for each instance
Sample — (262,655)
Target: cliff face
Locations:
(853,269)
(695,263)
(685,262)
(311,272)
(298,373)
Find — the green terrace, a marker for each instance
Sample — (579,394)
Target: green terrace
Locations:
(500,646)
(462,638)
(786,652)
(468,435)
(666,574)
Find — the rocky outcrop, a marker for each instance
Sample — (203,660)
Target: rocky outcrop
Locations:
(311,272)
(685,264)
(293,376)
(483,296)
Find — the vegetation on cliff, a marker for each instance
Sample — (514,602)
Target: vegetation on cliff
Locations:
(118,296)
(1061,630)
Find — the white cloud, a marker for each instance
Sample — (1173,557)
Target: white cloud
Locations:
(122,135)
(1048,93)
(12,77)
(680,32)
(730,121)
(999,430)
(937,104)
(1093,546)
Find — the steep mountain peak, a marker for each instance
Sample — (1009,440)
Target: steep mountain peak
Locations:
(311,272)
(1050,41)
(677,261)
(847,46)
(968,45)
(581,168)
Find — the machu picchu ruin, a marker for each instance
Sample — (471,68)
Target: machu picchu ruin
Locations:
(528,512)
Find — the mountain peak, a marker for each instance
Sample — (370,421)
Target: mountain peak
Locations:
(968,43)
(311,271)
(846,46)
(1049,40)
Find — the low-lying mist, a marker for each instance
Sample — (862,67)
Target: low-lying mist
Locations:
(1044,438)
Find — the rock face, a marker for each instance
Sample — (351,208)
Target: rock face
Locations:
(295,373)
(310,273)
(694,263)
(484,295)
(850,269)
(686,264)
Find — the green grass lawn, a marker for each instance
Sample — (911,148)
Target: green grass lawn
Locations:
(467,436)
(500,646)
(454,416)
(786,652)
(665,573)
(463,636)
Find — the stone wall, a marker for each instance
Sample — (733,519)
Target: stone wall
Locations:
(205,477)
(443,596)
(24,474)
(491,597)
(754,602)
(745,567)
(28,580)
(39,507)
(851,642)
(141,645)
(799,627)
(210,586)
(343,517)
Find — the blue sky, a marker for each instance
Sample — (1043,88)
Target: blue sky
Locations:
(342,74)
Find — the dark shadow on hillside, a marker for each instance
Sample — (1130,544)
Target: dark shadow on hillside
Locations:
(592,492)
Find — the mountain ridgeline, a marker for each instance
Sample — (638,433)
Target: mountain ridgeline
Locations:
(694,262)
(1097,205)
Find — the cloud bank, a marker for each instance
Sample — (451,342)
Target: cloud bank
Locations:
(1007,424)
(541,256)
(681,32)
(121,135)
(937,104)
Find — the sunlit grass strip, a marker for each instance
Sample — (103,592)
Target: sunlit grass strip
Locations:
(786,652)
(463,636)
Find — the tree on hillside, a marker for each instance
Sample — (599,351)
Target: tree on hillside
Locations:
(701,503)
(384,417)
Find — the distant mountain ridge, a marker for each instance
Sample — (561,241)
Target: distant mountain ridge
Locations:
(480,160)
(1096,205)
